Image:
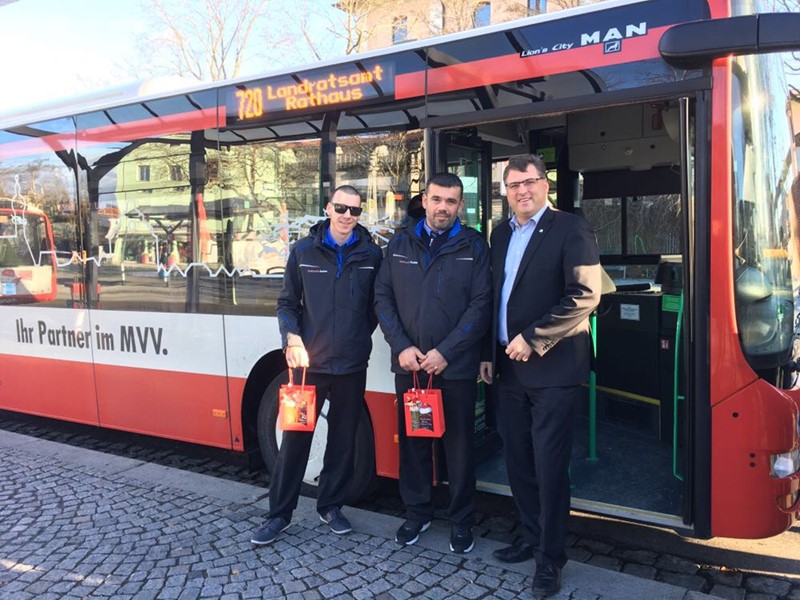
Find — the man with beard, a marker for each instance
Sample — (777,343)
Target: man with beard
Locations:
(433,299)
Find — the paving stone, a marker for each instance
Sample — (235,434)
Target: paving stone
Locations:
(690,582)
(729,593)
(676,564)
(767,585)
(643,571)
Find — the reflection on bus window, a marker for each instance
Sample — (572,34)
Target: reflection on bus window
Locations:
(762,177)
(27,261)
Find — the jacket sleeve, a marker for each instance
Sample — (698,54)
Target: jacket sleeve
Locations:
(386,308)
(373,316)
(581,271)
(290,300)
(475,321)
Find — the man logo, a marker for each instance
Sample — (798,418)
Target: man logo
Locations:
(613,46)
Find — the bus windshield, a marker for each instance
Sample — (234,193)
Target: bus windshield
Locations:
(761,144)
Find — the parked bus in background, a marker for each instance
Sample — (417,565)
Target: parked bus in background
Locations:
(665,122)
(27,256)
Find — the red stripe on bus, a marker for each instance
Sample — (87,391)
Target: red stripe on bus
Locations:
(122,132)
(175,405)
(60,389)
(512,67)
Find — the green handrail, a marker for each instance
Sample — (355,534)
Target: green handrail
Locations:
(675,396)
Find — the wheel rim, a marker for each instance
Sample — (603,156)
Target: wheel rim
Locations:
(318,444)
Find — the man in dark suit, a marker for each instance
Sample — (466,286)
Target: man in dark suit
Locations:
(546,272)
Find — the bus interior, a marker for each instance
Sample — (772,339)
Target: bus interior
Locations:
(621,168)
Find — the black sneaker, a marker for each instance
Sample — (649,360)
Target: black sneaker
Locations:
(409,532)
(461,540)
(270,531)
(336,521)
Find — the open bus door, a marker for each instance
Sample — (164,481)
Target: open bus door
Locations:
(628,458)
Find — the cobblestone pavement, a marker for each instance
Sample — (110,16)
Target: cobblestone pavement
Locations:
(652,554)
(76,523)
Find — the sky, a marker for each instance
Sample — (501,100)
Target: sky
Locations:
(55,49)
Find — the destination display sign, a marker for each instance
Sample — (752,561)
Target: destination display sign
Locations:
(344,85)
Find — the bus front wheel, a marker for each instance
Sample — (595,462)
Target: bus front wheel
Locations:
(270,436)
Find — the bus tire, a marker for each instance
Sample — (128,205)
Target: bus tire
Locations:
(363,480)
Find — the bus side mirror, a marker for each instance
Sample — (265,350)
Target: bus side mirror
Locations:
(696,44)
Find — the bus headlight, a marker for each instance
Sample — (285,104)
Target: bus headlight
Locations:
(783,465)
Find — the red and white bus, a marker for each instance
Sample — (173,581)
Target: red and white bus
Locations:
(667,123)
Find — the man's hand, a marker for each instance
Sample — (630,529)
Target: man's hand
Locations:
(519,349)
(296,354)
(487,372)
(410,358)
(434,363)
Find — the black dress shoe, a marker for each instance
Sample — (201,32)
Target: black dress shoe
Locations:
(519,552)
(547,581)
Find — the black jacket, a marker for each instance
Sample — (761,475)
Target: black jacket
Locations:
(443,302)
(555,291)
(327,299)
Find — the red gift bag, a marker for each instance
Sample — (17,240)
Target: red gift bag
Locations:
(297,405)
(424,410)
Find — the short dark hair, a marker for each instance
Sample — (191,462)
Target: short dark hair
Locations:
(447,180)
(347,189)
(522,162)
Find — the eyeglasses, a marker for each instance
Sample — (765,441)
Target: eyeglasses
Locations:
(355,211)
(528,183)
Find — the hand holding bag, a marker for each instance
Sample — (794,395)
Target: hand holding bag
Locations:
(297,405)
(424,410)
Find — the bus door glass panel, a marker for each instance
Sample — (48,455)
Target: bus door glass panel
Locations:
(468,157)
(47,354)
(765,215)
(148,172)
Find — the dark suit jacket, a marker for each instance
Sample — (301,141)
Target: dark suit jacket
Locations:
(556,290)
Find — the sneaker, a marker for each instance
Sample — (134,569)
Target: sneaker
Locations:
(409,532)
(336,521)
(270,531)
(461,540)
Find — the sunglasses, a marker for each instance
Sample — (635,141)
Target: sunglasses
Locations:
(355,211)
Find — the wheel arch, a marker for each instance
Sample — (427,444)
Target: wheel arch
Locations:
(261,375)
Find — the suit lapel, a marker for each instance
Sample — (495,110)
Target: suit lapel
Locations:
(537,236)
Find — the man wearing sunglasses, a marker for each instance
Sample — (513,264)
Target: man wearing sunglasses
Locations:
(546,270)
(433,298)
(326,319)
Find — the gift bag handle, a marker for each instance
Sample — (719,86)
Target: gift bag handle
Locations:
(291,377)
(415,381)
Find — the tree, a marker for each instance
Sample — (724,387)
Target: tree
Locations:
(204,39)
(345,25)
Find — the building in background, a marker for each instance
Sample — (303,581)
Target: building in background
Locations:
(389,22)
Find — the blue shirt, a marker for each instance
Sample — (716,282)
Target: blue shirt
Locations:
(520,237)
(329,241)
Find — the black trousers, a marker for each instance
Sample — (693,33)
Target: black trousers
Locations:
(345,394)
(416,454)
(536,425)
